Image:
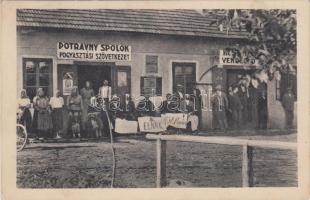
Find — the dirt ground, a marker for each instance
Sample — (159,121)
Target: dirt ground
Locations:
(88,164)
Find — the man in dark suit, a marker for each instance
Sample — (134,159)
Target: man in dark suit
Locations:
(235,107)
(288,101)
(262,110)
(219,105)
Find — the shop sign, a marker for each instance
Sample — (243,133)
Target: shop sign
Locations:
(93,52)
(227,58)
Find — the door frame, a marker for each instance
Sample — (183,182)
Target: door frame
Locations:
(122,68)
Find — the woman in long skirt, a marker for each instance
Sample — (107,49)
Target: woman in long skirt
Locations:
(35,114)
(57,103)
(44,115)
(86,93)
(23,104)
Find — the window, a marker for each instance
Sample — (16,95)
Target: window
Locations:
(37,73)
(184,74)
(151,64)
(151,86)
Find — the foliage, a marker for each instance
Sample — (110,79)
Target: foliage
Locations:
(272,35)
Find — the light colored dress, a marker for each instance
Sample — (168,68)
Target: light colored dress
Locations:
(44,116)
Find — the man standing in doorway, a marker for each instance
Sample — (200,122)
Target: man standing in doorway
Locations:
(288,100)
(105,92)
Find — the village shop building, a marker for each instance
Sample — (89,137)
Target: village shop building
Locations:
(138,51)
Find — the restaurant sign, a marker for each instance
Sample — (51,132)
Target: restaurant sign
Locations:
(93,52)
(228,57)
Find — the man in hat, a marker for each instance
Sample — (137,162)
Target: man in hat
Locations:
(219,104)
(288,101)
(235,107)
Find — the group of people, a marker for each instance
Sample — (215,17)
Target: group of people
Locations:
(47,117)
(246,107)
(91,115)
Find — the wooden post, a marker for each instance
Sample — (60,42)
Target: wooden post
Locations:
(247,167)
(161,179)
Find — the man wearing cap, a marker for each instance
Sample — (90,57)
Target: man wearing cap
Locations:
(219,105)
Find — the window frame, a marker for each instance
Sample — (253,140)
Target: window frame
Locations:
(36,60)
(158,86)
(174,64)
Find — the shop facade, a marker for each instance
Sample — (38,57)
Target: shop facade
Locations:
(145,63)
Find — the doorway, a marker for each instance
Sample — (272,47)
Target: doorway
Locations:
(254,100)
(234,75)
(96,74)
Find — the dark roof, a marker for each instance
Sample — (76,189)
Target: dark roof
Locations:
(174,22)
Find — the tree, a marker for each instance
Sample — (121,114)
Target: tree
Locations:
(272,36)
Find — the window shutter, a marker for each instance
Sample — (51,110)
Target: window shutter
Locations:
(159,86)
(142,85)
(151,64)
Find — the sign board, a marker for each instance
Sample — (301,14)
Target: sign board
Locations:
(227,58)
(151,124)
(93,52)
(159,124)
(177,120)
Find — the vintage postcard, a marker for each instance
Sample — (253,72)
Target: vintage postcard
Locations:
(155,99)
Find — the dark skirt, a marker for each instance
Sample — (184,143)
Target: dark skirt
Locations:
(44,121)
(26,120)
(35,121)
(57,117)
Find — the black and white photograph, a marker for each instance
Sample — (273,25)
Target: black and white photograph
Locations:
(156,98)
(172,97)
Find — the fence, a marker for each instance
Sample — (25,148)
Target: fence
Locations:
(247,152)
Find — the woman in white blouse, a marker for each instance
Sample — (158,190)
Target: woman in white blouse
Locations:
(23,105)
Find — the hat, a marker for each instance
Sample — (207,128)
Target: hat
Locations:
(179,85)
(218,87)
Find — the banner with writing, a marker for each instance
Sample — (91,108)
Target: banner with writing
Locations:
(151,124)
(93,52)
(159,124)
(177,120)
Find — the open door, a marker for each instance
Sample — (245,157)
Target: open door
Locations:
(122,80)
